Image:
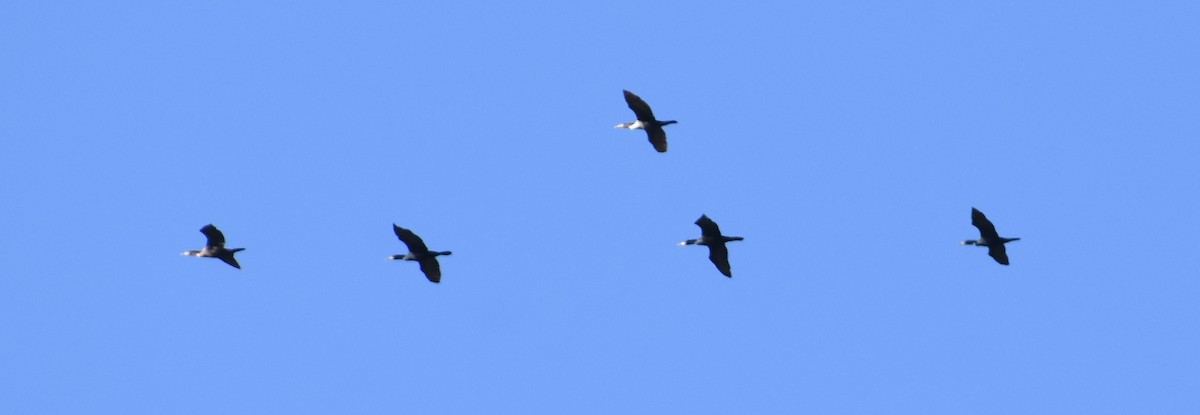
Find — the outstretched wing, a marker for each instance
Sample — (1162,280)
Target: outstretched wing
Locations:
(719,255)
(658,137)
(216,239)
(997,252)
(414,242)
(708,227)
(639,107)
(987,231)
(431,268)
(229,259)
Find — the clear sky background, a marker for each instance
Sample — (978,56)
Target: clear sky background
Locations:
(846,141)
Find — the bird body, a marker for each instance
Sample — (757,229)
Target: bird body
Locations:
(710,241)
(417,251)
(710,236)
(417,257)
(215,247)
(646,121)
(989,238)
(639,125)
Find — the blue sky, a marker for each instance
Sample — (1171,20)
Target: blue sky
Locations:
(846,141)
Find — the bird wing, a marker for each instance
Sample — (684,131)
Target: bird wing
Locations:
(414,242)
(216,239)
(639,107)
(986,230)
(658,138)
(719,255)
(431,268)
(997,252)
(229,259)
(708,227)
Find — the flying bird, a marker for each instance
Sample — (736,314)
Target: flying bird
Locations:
(646,121)
(418,252)
(215,247)
(710,235)
(989,238)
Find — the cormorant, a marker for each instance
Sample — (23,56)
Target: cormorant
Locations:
(646,121)
(988,237)
(215,247)
(710,235)
(418,252)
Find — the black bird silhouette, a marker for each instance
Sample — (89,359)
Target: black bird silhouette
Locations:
(215,247)
(710,235)
(418,252)
(989,238)
(646,121)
